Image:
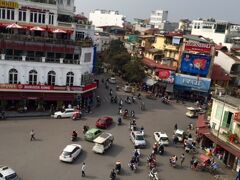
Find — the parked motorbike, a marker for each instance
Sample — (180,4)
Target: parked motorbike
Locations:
(153,174)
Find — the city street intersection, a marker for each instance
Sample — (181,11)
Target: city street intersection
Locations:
(38,160)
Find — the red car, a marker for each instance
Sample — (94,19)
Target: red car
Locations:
(104,122)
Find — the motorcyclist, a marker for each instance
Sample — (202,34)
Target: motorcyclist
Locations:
(118,166)
(132,113)
(85,129)
(133,99)
(74,135)
(161,149)
(155,148)
(115,99)
(139,96)
(113,174)
(119,121)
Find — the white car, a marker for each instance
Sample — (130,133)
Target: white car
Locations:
(112,80)
(161,138)
(70,152)
(180,134)
(138,139)
(67,113)
(7,173)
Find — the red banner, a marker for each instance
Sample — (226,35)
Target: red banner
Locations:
(198,47)
(48,87)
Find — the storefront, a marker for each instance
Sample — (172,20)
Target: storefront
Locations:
(189,87)
(42,97)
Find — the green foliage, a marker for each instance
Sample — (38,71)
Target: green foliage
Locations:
(133,72)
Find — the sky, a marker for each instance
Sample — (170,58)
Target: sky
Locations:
(177,9)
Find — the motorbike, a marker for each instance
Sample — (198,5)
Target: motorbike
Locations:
(153,175)
(2,115)
(119,121)
(74,138)
(76,115)
(189,148)
(165,100)
(112,176)
(128,101)
(85,129)
(118,167)
(173,162)
(125,115)
(132,166)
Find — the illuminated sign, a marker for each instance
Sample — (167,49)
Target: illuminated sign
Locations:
(9,4)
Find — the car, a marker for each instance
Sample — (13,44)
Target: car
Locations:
(67,113)
(194,112)
(70,152)
(104,122)
(112,80)
(102,143)
(92,134)
(138,139)
(7,173)
(161,138)
(181,134)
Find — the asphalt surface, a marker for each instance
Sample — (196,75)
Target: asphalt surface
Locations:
(38,160)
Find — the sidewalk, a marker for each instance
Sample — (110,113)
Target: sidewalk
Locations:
(15,114)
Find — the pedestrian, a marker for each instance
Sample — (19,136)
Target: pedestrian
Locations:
(176,126)
(32,134)
(238,175)
(83,169)
(182,157)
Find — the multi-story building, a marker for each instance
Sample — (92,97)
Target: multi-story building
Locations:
(220,32)
(43,60)
(223,136)
(158,17)
(102,41)
(106,18)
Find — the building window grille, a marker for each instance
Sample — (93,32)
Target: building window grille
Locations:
(51,78)
(13,76)
(33,77)
(70,79)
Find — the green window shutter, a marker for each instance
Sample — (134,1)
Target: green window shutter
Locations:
(224,121)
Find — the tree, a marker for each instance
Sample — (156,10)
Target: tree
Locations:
(134,72)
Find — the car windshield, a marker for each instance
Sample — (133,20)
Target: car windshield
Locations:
(164,138)
(11,176)
(139,138)
(65,153)
(179,135)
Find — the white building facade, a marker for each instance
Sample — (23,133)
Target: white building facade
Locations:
(158,17)
(220,32)
(106,18)
(47,58)
(102,41)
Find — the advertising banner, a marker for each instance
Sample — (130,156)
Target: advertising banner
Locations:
(166,75)
(192,82)
(195,64)
(198,47)
(43,88)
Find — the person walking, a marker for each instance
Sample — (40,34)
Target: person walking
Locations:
(182,157)
(176,126)
(32,134)
(83,169)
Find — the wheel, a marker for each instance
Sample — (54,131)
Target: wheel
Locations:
(59,117)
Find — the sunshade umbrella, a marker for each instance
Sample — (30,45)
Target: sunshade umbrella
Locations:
(14,26)
(59,31)
(37,28)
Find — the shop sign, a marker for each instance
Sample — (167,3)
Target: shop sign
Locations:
(166,75)
(195,64)
(9,4)
(237,116)
(198,47)
(193,82)
(48,87)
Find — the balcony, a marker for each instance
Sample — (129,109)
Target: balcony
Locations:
(44,1)
(171,47)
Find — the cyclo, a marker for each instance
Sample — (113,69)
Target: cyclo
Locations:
(205,164)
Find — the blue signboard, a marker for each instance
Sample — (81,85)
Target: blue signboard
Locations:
(195,64)
(193,82)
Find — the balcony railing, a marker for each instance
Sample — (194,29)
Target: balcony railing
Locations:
(15,37)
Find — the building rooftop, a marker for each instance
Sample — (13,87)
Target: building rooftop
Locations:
(196,38)
(233,101)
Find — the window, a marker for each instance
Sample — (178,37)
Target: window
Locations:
(13,76)
(40,18)
(68,2)
(43,18)
(51,78)
(60,1)
(3,13)
(35,17)
(31,17)
(70,78)
(79,35)
(87,57)
(33,77)
(51,18)
(227,119)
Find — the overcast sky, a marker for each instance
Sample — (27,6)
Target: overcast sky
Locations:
(177,9)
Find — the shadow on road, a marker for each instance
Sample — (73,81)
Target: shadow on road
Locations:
(114,150)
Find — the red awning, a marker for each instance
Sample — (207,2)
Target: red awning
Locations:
(201,121)
(151,63)
(221,143)
(58,97)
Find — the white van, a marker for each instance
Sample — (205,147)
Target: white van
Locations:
(102,143)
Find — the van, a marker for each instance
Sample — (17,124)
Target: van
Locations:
(127,89)
(102,143)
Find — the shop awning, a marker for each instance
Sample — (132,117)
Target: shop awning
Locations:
(149,81)
(59,31)
(58,97)
(201,121)
(37,28)
(14,26)
(221,143)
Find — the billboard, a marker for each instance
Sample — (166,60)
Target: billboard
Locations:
(198,47)
(166,75)
(195,64)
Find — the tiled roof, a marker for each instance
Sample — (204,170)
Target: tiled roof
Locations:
(218,74)
(151,63)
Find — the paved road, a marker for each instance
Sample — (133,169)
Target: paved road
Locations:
(38,160)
